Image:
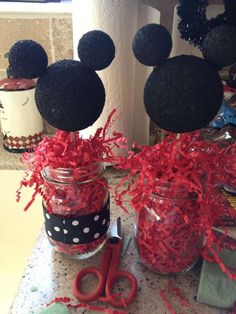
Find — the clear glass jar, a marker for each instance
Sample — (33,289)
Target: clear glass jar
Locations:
(167,241)
(76,209)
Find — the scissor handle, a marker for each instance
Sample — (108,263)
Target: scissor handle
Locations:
(114,274)
(99,273)
(96,293)
(112,279)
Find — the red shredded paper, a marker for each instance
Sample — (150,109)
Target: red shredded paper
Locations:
(164,293)
(67,302)
(192,169)
(68,150)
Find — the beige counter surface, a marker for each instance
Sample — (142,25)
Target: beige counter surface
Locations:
(18,234)
(9,160)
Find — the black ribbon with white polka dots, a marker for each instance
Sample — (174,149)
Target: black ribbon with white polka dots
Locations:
(77,229)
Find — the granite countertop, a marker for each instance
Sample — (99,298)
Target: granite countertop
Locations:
(50,274)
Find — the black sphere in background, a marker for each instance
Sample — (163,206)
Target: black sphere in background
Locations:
(219,45)
(70,96)
(96,50)
(152,44)
(183,94)
(27,59)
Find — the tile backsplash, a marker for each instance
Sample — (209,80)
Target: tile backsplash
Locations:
(53,33)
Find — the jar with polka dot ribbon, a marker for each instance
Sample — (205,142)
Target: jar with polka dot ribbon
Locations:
(76,208)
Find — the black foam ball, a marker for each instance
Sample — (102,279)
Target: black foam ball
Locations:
(183,94)
(219,45)
(27,59)
(152,44)
(70,96)
(96,50)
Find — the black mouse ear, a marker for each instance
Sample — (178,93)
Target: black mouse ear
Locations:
(27,59)
(152,44)
(219,45)
(96,50)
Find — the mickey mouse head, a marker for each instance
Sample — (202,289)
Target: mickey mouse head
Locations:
(218,32)
(69,94)
(183,93)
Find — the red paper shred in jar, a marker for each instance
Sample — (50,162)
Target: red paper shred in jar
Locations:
(76,209)
(165,242)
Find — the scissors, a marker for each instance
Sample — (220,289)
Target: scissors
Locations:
(107,274)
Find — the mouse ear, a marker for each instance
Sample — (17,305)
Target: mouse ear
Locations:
(219,45)
(27,59)
(96,50)
(152,44)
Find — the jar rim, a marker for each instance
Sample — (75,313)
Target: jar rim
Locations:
(171,189)
(79,175)
(190,196)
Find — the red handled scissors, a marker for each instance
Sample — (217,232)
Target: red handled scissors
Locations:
(107,274)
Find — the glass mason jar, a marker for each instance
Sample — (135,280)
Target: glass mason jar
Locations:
(76,209)
(166,237)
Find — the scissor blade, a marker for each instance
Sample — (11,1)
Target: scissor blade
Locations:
(115,231)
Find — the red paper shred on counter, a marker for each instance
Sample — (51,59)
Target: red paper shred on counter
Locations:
(183,301)
(66,301)
(165,294)
(166,301)
(193,167)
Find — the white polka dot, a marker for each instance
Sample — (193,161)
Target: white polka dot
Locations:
(47,216)
(57,229)
(96,235)
(96,218)
(104,221)
(63,222)
(49,233)
(75,222)
(65,231)
(86,230)
(75,240)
